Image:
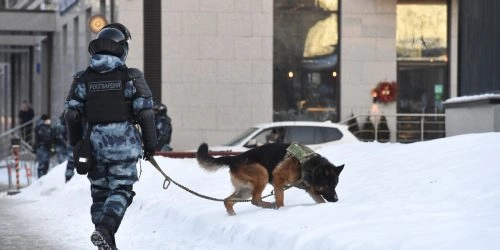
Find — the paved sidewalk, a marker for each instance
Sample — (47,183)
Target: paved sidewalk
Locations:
(18,232)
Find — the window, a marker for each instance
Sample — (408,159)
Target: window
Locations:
(76,45)
(422,51)
(241,137)
(328,134)
(422,30)
(305,66)
(263,137)
(312,135)
(302,135)
(65,41)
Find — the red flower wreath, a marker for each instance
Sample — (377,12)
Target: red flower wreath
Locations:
(385,92)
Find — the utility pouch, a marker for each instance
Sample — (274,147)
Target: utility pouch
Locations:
(83,155)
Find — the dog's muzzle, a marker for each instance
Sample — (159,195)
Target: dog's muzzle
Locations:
(331,197)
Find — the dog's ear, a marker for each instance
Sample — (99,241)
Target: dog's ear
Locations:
(339,169)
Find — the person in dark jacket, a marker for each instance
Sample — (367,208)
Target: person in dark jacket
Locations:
(64,151)
(163,127)
(110,99)
(26,115)
(43,144)
(60,139)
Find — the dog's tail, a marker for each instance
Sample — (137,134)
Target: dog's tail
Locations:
(208,162)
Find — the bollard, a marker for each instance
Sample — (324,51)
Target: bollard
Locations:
(16,145)
(28,173)
(9,174)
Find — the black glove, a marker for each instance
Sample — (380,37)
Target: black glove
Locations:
(148,155)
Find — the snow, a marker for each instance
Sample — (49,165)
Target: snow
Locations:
(440,194)
(471,98)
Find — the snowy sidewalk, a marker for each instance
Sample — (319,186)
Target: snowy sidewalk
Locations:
(19,232)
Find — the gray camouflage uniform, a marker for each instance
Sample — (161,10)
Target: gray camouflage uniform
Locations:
(117,148)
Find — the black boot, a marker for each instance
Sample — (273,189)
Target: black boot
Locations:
(103,239)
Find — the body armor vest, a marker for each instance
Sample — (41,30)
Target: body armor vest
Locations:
(106,102)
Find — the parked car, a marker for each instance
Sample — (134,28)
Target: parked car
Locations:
(313,134)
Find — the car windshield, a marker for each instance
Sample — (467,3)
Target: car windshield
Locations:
(241,137)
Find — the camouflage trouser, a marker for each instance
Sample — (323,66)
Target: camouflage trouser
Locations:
(70,166)
(42,158)
(111,190)
(61,153)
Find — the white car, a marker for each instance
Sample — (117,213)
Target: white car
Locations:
(312,134)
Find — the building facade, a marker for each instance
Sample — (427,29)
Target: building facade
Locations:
(221,66)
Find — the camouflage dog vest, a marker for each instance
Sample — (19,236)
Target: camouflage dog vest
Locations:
(301,152)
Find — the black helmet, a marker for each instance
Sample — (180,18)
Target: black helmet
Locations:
(112,40)
(112,34)
(121,28)
(160,107)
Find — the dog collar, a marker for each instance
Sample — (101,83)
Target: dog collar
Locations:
(301,152)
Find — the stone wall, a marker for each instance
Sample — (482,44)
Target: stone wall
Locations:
(368,54)
(217,68)
(473,114)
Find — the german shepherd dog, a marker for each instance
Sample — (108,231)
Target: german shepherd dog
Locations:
(272,163)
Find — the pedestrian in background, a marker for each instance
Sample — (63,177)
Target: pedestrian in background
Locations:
(64,151)
(110,98)
(163,127)
(60,139)
(26,115)
(43,144)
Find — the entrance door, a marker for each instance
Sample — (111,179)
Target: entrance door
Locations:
(422,50)
(423,87)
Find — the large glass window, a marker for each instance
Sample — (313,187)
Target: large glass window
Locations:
(305,85)
(422,51)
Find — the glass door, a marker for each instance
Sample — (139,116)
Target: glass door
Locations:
(422,68)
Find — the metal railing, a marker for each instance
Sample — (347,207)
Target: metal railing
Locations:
(22,159)
(403,128)
(23,132)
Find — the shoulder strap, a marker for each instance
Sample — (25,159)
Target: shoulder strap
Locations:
(89,131)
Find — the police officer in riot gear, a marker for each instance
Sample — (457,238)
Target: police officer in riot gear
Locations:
(163,127)
(44,141)
(107,100)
